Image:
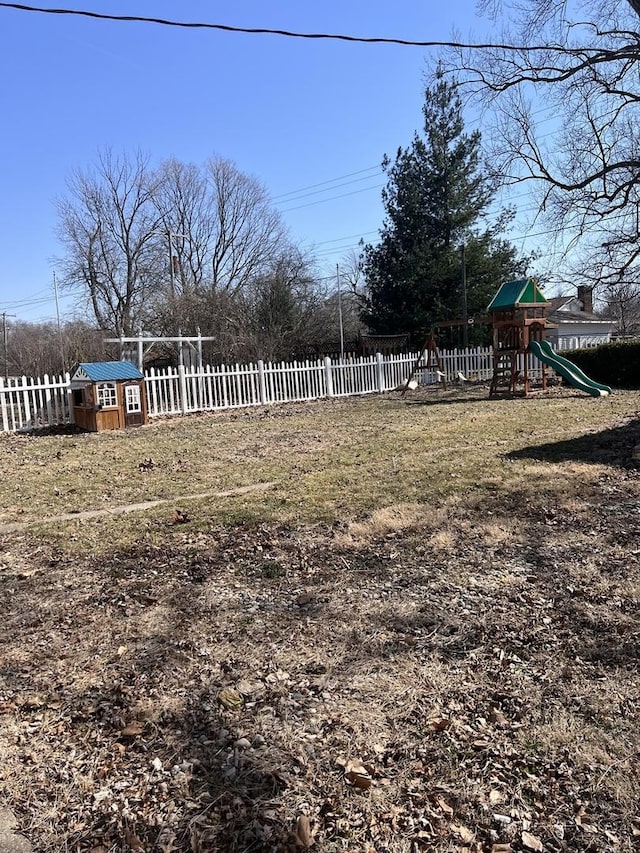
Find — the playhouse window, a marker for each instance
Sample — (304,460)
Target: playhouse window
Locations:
(107,396)
(133,399)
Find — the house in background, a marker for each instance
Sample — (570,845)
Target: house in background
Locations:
(576,324)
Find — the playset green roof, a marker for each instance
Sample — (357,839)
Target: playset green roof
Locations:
(512,294)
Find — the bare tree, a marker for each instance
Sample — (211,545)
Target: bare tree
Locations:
(183,203)
(137,237)
(352,271)
(284,308)
(562,89)
(38,348)
(249,233)
(109,226)
(623,306)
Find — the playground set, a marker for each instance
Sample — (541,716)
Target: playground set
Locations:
(517,315)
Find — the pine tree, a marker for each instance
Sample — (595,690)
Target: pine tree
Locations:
(435,195)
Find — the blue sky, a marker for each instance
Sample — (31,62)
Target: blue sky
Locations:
(292,113)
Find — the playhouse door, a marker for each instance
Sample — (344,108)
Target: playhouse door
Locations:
(132,406)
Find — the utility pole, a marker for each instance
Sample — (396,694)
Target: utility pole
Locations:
(465,328)
(173,259)
(6,347)
(340,311)
(173,283)
(60,337)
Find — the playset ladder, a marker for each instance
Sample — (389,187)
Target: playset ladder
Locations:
(505,371)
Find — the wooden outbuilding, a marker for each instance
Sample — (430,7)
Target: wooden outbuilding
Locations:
(108,395)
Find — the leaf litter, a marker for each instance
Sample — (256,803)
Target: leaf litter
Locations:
(267,686)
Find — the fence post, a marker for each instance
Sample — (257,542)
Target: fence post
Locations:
(262,382)
(182,384)
(24,409)
(328,376)
(71,413)
(47,400)
(380,371)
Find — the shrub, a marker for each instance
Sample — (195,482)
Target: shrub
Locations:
(616,364)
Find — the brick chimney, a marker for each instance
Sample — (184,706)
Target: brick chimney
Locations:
(585,295)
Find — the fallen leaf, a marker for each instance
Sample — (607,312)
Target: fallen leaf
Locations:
(180,517)
(465,834)
(501,848)
(304,836)
(360,781)
(532,842)
(439,724)
(585,822)
(133,729)
(496,716)
(358,775)
(230,698)
(444,805)
(133,841)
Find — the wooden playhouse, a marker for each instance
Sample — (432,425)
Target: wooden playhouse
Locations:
(108,395)
(518,315)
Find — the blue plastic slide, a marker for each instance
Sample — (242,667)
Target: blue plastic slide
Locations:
(567,369)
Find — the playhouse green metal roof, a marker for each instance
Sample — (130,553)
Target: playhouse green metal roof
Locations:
(106,371)
(524,291)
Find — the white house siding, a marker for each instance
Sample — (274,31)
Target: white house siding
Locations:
(586,333)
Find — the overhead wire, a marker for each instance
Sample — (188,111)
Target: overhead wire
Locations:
(167,22)
(36,299)
(329,189)
(329,181)
(332,198)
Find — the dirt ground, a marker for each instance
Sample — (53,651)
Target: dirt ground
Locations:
(452,673)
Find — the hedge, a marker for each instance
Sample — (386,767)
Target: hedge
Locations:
(615,364)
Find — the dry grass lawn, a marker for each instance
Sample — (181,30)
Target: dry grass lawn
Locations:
(423,635)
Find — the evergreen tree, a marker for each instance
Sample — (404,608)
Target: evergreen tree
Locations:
(435,195)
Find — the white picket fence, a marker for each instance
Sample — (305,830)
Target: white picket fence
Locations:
(29,404)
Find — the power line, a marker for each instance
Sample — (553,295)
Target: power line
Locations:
(327,189)
(346,237)
(101,16)
(331,198)
(332,251)
(24,303)
(323,183)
